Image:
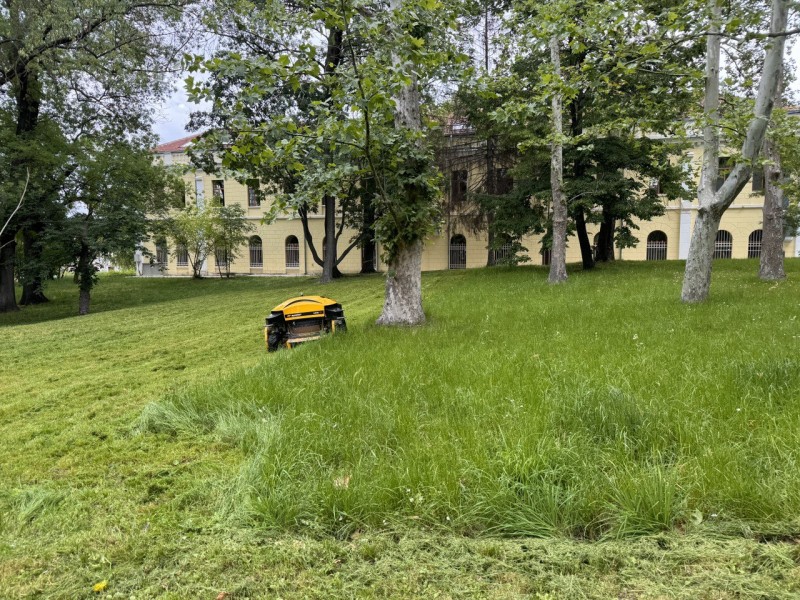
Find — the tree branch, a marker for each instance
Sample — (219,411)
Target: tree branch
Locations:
(21,198)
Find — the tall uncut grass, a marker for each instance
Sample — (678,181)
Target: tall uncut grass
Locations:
(603,407)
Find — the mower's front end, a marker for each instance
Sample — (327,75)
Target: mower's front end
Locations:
(302,319)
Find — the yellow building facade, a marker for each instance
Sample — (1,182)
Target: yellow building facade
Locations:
(279,248)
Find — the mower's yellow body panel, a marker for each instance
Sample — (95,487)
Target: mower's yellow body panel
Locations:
(303,307)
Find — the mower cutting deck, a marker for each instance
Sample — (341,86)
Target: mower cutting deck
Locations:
(302,319)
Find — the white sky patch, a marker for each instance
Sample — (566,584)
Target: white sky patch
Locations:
(172,115)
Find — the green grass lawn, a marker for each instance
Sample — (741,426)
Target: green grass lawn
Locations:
(597,439)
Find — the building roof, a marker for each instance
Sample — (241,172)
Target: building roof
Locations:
(176,145)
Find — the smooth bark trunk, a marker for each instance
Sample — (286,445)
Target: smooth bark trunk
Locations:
(402,303)
(704,235)
(771,259)
(697,278)
(558,256)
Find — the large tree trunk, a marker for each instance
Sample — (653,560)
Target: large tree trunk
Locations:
(402,304)
(771,260)
(587,257)
(8,297)
(558,256)
(697,278)
(698,263)
(605,239)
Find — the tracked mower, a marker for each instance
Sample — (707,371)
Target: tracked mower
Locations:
(303,319)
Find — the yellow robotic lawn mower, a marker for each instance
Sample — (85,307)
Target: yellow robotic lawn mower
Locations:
(302,319)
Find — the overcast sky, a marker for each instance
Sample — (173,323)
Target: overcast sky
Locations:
(173,115)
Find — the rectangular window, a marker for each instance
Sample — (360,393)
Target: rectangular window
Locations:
(758,180)
(218,190)
(655,185)
(724,171)
(221,257)
(162,255)
(253,194)
(182,256)
(458,186)
(503,182)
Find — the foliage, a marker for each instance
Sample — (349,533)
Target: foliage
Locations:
(71,70)
(191,229)
(625,74)
(315,112)
(113,191)
(202,232)
(786,131)
(230,230)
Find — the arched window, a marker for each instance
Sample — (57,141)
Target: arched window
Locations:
(754,244)
(256,253)
(292,253)
(657,246)
(458,252)
(723,247)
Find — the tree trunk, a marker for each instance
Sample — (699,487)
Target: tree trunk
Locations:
(368,230)
(368,257)
(583,239)
(771,260)
(329,243)
(558,256)
(32,285)
(84,277)
(8,297)
(491,190)
(402,304)
(605,244)
(83,302)
(697,278)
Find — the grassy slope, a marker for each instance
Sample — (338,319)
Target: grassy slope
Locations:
(602,408)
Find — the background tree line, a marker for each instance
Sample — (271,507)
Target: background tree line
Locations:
(578,109)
